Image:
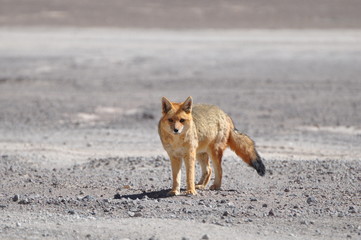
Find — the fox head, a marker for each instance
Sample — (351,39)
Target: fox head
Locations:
(177,117)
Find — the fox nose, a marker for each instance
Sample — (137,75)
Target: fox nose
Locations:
(175,130)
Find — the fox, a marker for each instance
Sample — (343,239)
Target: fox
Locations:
(201,132)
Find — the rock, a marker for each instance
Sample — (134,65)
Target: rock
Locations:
(351,209)
(264,205)
(253,199)
(134,209)
(340,214)
(225,214)
(88,198)
(230,204)
(24,201)
(2,206)
(205,237)
(131,214)
(117,196)
(16,198)
(71,212)
(271,213)
(311,200)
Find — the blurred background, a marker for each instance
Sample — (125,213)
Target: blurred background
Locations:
(85,78)
(198,14)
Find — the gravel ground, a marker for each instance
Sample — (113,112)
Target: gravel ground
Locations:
(296,199)
(80,155)
(80,90)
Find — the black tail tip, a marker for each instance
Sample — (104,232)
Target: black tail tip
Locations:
(259,166)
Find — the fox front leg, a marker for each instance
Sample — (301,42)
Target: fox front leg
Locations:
(189,161)
(176,164)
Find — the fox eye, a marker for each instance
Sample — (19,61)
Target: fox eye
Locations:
(170,120)
(182,120)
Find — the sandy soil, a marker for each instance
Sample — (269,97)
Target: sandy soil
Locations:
(80,94)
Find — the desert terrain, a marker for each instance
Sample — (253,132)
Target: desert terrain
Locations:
(80,156)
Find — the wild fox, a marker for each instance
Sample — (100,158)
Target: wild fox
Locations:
(198,132)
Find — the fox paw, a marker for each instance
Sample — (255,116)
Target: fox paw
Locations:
(200,186)
(215,187)
(191,192)
(173,193)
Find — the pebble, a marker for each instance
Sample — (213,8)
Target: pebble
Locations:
(340,214)
(304,222)
(88,198)
(16,198)
(71,212)
(134,209)
(271,213)
(230,204)
(205,237)
(351,209)
(311,200)
(24,201)
(117,196)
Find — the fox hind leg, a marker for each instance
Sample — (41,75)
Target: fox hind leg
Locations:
(216,155)
(203,160)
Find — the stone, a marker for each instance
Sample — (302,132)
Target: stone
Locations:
(205,237)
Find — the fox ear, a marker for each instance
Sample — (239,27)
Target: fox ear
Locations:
(187,105)
(166,105)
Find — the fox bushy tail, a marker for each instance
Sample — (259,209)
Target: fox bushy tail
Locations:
(244,147)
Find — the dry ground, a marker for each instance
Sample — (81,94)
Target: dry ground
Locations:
(80,99)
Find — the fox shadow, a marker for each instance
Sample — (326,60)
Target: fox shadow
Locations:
(152,194)
(160,194)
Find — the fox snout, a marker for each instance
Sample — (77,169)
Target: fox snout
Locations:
(177,130)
